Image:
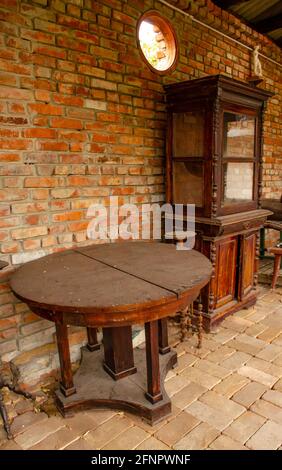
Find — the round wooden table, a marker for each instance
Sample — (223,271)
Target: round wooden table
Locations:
(114,286)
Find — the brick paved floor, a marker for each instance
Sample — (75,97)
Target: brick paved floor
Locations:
(228,395)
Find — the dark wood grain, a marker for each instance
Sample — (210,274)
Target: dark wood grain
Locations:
(114,287)
(163,336)
(226,231)
(78,286)
(67,386)
(118,351)
(92,344)
(153,393)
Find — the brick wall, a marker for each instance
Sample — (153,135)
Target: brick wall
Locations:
(83,118)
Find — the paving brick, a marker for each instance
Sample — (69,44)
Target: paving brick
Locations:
(257,375)
(23,406)
(247,344)
(185,361)
(187,395)
(271,335)
(80,423)
(268,410)
(231,385)
(244,426)
(152,444)
(128,439)
(278,361)
(222,353)
(226,443)
(24,421)
(236,360)
(224,335)
(198,439)
(222,404)
(203,412)
(236,323)
(10,445)
(177,428)
(56,441)
(274,320)
(268,437)
(38,432)
(176,384)
(256,329)
(79,444)
(108,431)
(278,338)
(273,396)
(265,366)
(278,385)
(249,394)
(145,425)
(270,352)
(209,343)
(212,369)
(199,377)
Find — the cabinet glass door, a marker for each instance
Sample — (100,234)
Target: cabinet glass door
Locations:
(238,158)
(188,158)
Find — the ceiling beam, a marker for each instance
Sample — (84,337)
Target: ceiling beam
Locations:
(275,10)
(225,4)
(269,24)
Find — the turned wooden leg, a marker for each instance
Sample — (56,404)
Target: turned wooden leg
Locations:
(66,386)
(118,352)
(5,418)
(277,261)
(163,337)
(152,358)
(183,324)
(199,323)
(92,344)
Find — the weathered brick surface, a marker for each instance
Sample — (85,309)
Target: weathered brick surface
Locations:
(83,118)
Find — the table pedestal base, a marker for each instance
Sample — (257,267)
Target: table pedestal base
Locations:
(95,388)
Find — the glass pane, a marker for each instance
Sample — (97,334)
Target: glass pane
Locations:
(239,135)
(237,182)
(188,183)
(188,134)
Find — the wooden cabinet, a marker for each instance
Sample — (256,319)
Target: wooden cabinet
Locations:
(214,161)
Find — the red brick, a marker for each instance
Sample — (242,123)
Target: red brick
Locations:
(46,109)
(16,144)
(43,133)
(36,182)
(15,93)
(66,123)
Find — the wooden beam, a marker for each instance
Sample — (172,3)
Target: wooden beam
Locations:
(269,24)
(226,4)
(268,13)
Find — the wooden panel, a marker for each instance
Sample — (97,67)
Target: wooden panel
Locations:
(226,271)
(248,263)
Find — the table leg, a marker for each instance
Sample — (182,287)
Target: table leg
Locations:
(92,344)
(152,358)
(277,261)
(163,336)
(66,386)
(118,351)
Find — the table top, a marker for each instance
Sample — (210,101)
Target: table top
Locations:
(111,277)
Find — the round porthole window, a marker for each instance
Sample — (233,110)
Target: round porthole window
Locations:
(157,42)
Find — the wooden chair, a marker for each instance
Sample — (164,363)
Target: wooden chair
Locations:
(277,252)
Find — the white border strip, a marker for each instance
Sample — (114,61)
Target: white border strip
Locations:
(215,30)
